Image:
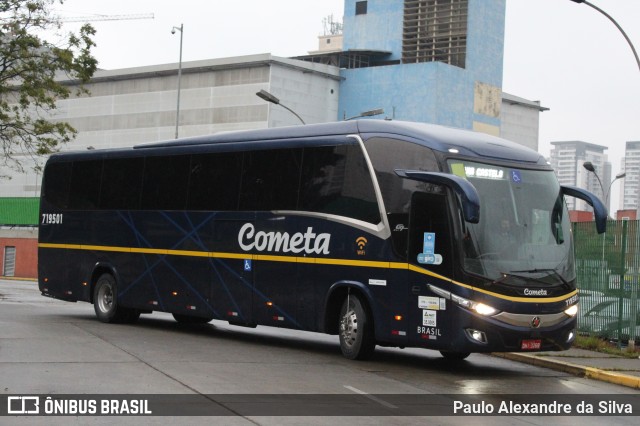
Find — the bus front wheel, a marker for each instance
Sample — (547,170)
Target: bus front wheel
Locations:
(357,338)
(105,302)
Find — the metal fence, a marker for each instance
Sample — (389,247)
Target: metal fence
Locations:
(608,267)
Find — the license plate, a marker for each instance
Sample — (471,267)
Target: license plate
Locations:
(530,345)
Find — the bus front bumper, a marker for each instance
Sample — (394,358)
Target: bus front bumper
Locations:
(515,332)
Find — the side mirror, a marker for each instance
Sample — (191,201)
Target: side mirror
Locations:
(599,210)
(462,187)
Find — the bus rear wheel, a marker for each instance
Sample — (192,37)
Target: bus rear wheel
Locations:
(357,338)
(188,319)
(105,302)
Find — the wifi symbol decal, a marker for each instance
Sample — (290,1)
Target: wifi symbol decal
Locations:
(361,243)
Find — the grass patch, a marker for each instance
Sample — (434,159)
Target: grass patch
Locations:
(597,344)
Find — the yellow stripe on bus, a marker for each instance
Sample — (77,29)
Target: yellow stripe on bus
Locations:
(298,259)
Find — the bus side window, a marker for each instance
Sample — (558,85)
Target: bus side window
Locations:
(121,183)
(387,155)
(336,180)
(214,183)
(57,180)
(270,179)
(165,180)
(85,185)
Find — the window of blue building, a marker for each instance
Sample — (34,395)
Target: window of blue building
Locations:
(361,8)
(435,31)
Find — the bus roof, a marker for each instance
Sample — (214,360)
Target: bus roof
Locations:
(436,137)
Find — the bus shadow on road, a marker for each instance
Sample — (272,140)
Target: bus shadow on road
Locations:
(384,358)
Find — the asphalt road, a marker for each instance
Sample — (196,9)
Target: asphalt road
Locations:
(53,347)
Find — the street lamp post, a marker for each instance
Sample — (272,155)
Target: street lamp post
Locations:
(589,166)
(173,31)
(633,49)
(263,94)
(619,176)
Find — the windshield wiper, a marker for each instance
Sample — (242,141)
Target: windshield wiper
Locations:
(533,271)
(537,271)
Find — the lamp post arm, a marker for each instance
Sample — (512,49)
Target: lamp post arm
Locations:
(633,49)
(608,194)
(292,112)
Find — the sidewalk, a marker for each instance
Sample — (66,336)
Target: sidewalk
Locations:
(584,363)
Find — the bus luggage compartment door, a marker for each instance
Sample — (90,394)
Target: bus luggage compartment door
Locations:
(276,275)
(232,274)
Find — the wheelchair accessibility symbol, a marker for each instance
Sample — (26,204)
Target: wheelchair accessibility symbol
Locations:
(247,265)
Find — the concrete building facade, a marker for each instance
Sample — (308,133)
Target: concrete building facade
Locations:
(138,105)
(520,120)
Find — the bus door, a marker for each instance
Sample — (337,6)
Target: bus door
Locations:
(232,271)
(431,252)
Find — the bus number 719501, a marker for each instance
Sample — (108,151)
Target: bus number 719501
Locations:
(52,218)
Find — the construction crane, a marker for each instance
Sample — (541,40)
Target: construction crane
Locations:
(107,17)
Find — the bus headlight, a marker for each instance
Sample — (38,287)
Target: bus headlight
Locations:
(571,310)
(479,308)
(483,309)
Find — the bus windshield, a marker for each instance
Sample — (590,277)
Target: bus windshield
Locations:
(524,232)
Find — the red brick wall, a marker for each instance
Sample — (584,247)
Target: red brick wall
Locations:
(26,256)
(580,216)
(631,214)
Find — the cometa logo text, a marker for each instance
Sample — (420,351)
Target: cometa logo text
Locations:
(309,242)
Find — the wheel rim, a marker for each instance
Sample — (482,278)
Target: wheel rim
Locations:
(349,327)
(105,298)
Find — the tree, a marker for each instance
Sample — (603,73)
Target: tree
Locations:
(32,72)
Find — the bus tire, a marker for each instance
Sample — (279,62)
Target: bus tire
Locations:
(454,356)
(189,319)
(105,302)
(357,338)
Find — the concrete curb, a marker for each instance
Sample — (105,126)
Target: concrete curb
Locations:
(574,369)
(19,279)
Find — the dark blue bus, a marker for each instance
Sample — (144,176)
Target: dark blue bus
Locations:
(383,233)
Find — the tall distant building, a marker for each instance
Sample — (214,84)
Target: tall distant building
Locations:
(567,159)
(630,189)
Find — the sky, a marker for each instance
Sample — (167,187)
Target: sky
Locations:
(566,55)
